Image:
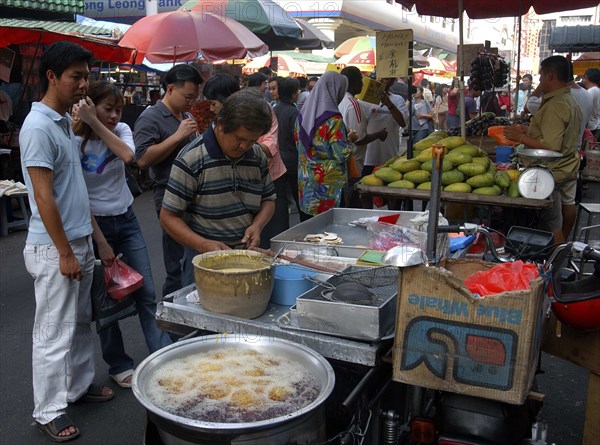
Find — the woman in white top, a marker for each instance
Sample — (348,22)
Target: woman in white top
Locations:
(106,145)
(441,107)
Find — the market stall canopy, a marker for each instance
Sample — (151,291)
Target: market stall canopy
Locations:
(483,9)
(286,66)
(575,39)
(102,49)
(312,37)
(62,6)
(265,18)
(181,36)
(95,30)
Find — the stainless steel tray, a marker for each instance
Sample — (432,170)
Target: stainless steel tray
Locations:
(370,322)
(354,239)
(538,153)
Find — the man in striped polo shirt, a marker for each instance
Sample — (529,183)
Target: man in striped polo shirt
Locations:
(220,194)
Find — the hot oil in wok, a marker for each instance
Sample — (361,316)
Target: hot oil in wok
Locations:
(232,386)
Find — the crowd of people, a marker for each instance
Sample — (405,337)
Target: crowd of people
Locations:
(274,143)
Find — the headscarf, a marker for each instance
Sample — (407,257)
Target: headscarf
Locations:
(322,103)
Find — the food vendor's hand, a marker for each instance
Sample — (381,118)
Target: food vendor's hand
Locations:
(211,246)
(186,128)
(85,110)
(503,107)
(382,134)
(385,99)
(514,132)
(251,237)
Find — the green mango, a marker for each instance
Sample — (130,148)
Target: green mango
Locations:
(388,174)
(491,191)
(478,181)
(472,169)
(371,180)
(428,165)
(402,184)
(501,179)
(452,176)
(418,176)
(459,187)
(513,190)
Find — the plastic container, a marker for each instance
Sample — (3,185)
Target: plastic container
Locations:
(503,153)
(290,283)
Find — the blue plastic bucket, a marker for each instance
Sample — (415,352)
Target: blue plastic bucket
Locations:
(502,154)
(289,283)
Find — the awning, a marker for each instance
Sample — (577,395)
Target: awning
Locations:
(102,49)
(60,6)
(575,39)
(60,27)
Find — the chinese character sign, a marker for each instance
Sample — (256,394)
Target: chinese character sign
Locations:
(393,52)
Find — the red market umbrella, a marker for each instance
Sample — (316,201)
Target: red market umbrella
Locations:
(265,18)
(438,67)
(286,66)
(364,60)
(354,44)
(181,36)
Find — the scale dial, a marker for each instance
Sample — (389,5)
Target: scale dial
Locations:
(536,183)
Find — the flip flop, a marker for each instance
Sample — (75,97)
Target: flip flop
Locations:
(58,424)
(94,394)
(120,378)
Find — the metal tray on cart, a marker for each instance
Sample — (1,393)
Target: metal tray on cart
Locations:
(367,321)
(354,239)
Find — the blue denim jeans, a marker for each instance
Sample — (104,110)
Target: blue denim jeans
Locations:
(124,235)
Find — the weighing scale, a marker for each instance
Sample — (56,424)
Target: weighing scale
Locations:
(536,182)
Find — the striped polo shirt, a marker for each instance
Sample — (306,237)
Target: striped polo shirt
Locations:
(218,197)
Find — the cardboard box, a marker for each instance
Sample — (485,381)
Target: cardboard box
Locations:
(446,339)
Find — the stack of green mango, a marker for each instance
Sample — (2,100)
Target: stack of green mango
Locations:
(466,169)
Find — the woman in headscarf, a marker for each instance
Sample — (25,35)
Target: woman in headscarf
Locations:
(323,146)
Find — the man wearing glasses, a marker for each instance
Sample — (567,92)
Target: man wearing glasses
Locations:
(220,194)
(160,133)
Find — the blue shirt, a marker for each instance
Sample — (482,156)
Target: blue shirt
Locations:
(47,140)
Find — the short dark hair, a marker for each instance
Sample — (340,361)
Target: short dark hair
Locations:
(220,87)
(247,109)
(593,75)
(58,57)
(424,82)
(180,74)
(256,79)
(266,71)
(313,79)
(527,76)
(302,80)
(286,87)
(559,65)
(354,78)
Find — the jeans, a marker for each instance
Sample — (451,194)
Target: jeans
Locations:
(420,134)
(63,351)
(124,235)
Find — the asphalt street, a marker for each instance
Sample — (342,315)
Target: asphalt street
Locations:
(122,420)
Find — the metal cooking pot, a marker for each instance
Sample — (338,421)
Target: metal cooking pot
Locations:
(234,282)
(304,426)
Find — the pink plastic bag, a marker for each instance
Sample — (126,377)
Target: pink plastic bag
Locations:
(502,278)
(121,280)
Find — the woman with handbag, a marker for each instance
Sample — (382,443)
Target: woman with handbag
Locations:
(106,145)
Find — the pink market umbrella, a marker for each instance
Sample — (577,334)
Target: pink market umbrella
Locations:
(181,36)
(286,66)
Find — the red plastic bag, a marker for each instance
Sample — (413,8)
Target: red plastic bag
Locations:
(497,133)
(502,278)
(121,280)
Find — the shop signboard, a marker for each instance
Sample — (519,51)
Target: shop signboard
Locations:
(393,56)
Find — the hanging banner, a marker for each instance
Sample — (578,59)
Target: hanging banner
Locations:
(393,56)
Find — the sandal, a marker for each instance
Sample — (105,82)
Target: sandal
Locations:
(95,394)
(121,377)
(56,426)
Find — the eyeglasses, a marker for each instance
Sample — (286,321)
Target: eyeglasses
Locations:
(187,98)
